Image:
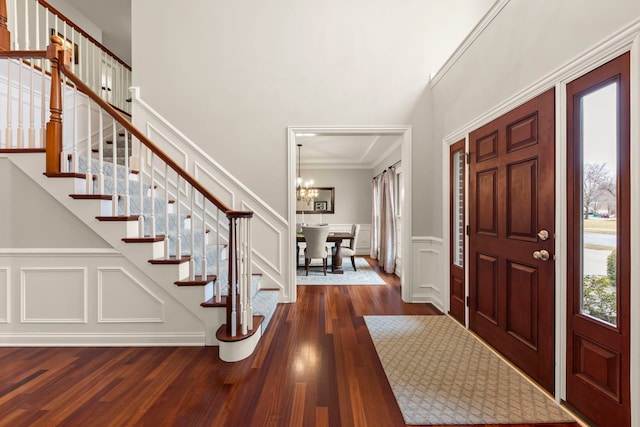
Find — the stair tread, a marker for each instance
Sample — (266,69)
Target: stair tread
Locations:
(118,218)
(222,335)
(171,260)
(65,175)
(143,239)
(198,281)
(211,302)
(91,196)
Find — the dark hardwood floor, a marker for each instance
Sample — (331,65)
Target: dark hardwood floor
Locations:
(317,368)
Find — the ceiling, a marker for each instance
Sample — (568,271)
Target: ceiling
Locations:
(347,151)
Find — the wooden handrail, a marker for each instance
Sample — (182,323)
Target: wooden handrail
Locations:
(63,61)
(5,35)
(81,31)
(24,54)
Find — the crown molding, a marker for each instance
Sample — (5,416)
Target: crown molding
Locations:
(468,41)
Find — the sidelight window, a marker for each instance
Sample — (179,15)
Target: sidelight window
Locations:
(599,224)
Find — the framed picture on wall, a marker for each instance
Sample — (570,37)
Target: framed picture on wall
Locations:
(73,47)
(320,206)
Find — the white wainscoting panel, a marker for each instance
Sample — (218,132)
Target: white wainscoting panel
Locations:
(54,295)
(178,155)
(267,240)
(140,306)
(213,184)
(92,297)
(5,296)
(428,261)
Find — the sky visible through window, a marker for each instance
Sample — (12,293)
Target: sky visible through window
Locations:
(599,126)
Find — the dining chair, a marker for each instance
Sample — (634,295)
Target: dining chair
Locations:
(316,240)
(350,251)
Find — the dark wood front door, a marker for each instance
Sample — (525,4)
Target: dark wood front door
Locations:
(598,225)
(511,236)
(457,291)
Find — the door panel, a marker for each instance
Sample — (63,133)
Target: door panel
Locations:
(598,279)
(597,366)
(522,303)
(523,133)
(457,293)
(486,202)
(486,147)
(511,186)
(522,191)
(486,301)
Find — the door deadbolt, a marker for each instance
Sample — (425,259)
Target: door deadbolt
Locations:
(543,234)
(542,255)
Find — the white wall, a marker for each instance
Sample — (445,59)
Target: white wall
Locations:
(352,195)
(37,220)
(384,164)
(232,75)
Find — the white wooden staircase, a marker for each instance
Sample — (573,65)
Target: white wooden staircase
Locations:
(142,203)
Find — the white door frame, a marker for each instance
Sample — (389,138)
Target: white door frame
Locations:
(405,155)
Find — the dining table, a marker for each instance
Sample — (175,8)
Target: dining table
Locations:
(335,237)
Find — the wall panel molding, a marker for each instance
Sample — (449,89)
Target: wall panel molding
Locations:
(202,174)
(427,286)
(274,236)
(5,295)
(92,297)
(140,306)
(53,295)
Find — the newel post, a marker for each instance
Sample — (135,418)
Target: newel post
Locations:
(55,53)
(5,35)
(232,308)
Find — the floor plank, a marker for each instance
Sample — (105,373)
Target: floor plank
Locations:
(317,368)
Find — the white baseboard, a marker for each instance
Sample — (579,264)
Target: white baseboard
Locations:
(101,339)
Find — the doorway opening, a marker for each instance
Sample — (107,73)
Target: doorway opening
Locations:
(376,144)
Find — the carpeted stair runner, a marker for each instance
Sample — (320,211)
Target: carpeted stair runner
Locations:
(264,300)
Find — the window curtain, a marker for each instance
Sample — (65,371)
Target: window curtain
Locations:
(375,218)
(387,242)
(383,221)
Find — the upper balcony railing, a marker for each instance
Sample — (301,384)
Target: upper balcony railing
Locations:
(31,23)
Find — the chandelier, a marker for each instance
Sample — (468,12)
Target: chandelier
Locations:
(304,190)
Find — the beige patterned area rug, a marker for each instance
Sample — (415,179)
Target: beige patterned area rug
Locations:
(365,275)
(441,374)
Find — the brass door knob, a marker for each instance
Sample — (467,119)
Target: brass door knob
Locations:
(542,255)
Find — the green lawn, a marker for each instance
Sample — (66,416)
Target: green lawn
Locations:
(603,226)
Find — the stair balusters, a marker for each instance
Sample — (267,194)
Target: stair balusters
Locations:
(9,131)
(5,35)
